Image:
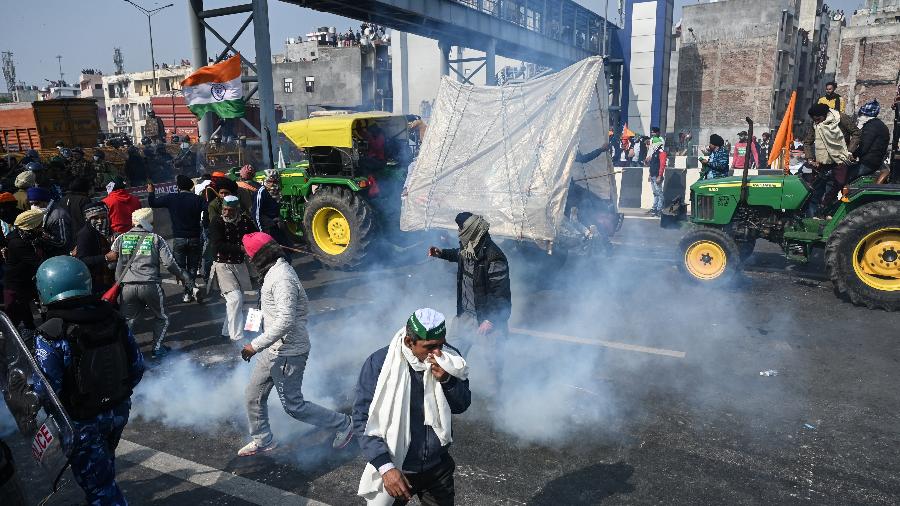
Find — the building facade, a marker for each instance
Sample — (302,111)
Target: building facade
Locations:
(127,97)
(312,76)
(744,58)
(91,85)
(867,63)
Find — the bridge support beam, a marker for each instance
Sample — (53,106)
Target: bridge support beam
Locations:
(268,127)
(199,59)
(490,67)
(444,49)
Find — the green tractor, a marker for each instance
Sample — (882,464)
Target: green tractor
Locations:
(861,236)
(340,196)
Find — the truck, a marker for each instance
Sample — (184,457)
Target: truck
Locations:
(860,233)
(39,125)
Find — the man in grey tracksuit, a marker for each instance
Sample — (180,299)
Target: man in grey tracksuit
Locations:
(281,350)
(141,286)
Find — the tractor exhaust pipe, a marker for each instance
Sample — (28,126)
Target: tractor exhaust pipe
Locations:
(748,151)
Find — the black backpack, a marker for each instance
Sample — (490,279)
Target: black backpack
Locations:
(99,376)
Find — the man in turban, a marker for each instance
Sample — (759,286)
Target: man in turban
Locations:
(25,250)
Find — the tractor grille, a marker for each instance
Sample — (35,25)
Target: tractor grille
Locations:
(703,208)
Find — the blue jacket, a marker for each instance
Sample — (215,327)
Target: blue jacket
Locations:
(184,208)
(425,450)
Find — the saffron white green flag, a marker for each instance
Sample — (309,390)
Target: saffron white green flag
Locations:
(216,88)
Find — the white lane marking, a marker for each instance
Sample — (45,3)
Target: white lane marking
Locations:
(631,217)
(600,342)
(209,477)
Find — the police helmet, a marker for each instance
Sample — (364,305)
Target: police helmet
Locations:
(146,140)
(32,154)
(65,152)
(62,277)
(34,166)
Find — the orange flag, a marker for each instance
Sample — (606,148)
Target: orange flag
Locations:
(626,133)
(781,146)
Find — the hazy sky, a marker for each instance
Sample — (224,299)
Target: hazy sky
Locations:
(86,32)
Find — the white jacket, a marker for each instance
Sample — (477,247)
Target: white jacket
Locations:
(285,308)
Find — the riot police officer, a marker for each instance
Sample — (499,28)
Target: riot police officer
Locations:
(92,362)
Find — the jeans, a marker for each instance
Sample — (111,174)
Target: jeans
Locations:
(286,375)
(136,297)
(657,194)
(187,253)
(434,487)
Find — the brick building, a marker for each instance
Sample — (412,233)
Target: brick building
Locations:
(868,62)
(740,58)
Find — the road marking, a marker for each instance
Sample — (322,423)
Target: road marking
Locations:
(600,342)
(209,477)
(630,217)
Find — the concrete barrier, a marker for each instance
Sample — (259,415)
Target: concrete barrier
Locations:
(635,189)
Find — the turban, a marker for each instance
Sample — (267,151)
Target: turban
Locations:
(428,324)
(246,172)
(25,180)
(6,198)
(870,109)
(231,201)
(819,110)
(716,140)
(142,216)
(29,220)
(38,195)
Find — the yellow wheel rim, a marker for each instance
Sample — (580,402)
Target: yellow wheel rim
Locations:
(705,260)
(331,230)
(876,259)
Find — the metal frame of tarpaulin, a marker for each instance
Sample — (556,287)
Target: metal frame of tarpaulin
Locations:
(258,15)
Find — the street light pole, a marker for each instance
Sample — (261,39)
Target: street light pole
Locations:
(150,13)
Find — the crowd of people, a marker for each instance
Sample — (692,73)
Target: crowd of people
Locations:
(367,33)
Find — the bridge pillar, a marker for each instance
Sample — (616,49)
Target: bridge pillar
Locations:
(199,59)
(490,57)
(444,49)
(268,125)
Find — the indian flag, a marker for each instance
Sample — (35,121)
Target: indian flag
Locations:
(216,88)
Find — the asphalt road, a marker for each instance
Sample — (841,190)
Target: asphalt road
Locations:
(621,384)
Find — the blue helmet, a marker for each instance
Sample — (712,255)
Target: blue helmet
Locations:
(34,166)
(62,277)
(32,154)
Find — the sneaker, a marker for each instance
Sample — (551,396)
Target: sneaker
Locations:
(343,437)
(186,298)
(253,447)
(161,352)
(197,294)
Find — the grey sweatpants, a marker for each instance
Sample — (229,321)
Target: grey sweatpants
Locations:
(137,297)
(286,375)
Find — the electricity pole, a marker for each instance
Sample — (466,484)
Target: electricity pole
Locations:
(150,13)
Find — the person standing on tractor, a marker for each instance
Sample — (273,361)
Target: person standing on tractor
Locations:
(92,362)
(874,140)
(829,147)
(138,254)
(483,297)
(832,99)
(715,164)
(281,351)
(229,270)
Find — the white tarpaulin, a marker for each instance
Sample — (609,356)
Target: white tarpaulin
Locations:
(508,153)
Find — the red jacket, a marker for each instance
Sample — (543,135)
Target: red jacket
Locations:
(121,204)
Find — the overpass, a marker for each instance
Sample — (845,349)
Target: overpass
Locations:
(550,33)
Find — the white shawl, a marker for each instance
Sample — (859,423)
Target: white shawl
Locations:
(389,411)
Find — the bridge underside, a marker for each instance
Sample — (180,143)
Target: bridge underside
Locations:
(457,24)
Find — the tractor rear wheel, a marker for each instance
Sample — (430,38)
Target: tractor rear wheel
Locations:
(339,226)
(863,256)
(709,256)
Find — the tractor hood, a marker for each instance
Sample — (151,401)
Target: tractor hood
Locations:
(713,201)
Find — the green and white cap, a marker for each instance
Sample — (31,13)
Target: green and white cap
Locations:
(428,324)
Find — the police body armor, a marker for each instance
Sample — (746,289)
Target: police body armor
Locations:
(98,378)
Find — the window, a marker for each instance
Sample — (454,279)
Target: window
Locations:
(310,84)
(98,86)
(288,84)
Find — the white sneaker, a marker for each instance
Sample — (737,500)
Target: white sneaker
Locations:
(252,448)
(186,298)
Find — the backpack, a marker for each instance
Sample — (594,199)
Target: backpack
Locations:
(99,376)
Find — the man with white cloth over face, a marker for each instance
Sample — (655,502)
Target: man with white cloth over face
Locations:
(405,396)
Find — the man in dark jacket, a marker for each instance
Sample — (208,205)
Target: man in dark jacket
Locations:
(229,269)
(483,299)
(135,167)
(418,359)
(92,243)
(23,255)
(75,201)
(874,138)
(60,234)
(185,210)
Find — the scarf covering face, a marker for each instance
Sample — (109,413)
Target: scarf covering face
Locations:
(389,411)
(471,234)
(100,224)
(830,145)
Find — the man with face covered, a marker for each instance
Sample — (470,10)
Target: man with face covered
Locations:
(483,300)
(229,269)
(93,242)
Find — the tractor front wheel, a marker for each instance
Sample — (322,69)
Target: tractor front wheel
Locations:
(339,226)
(709,256)
(863,256)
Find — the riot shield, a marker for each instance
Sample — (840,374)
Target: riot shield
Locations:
(44,421)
